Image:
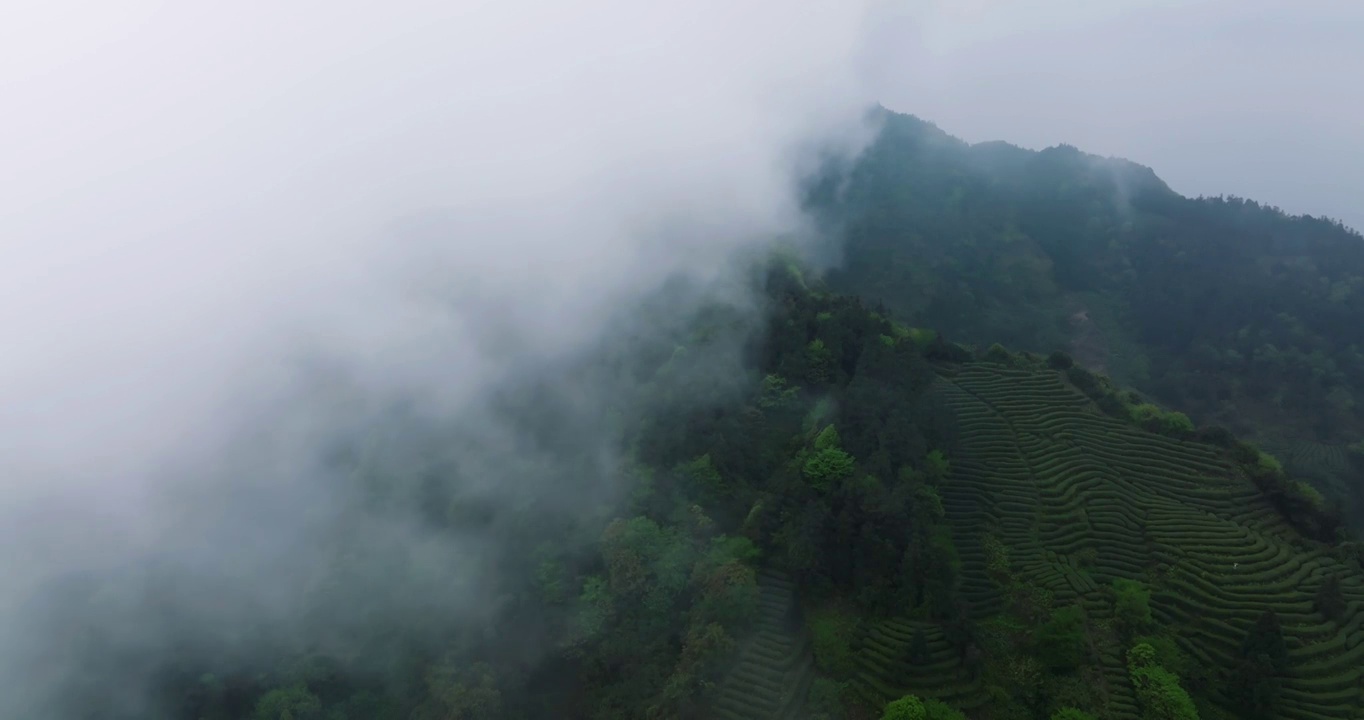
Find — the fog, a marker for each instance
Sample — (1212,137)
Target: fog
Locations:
(1256,98)
(238,238)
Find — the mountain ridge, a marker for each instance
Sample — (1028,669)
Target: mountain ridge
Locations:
(1236,312)
(1145,174)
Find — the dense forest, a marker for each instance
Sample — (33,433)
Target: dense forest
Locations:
(878,523)
(1236,313)
(1016,457)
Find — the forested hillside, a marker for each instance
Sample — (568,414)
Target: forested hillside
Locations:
(1236,313)
(817,510)
(872,522)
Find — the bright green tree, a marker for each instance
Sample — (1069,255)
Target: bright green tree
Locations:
(829,463)
(909,707)
(1158,689)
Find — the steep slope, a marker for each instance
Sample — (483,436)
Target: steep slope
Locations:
(1081,499)
(1082,524)
(1234,312)
(773,671)
(887,668)
(993,530)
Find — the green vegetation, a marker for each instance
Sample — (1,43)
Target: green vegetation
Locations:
(1158,689)
(1330,598)
(910,707)
(773,675)
(908,531)
(831,632)
(1233,312)
(874,521)
(1174,424)
(291,703)
(828,463)
(825,701)
(1088,554)
(1060,642)
(1184,541)
(1131,606)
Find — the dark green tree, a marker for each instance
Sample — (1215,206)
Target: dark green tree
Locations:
(918,647)
(461,692)
(1263,659)
(1061,643)
(1330,600)
(289,703)
(1131,606)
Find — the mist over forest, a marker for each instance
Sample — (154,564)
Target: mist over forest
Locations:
(613,361)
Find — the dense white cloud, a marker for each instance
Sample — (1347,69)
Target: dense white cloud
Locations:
(427,196)
(190,187)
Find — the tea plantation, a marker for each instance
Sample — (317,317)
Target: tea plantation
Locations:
(1077,500)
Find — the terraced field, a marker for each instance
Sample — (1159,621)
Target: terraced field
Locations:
(774,668)
(1316,457)
(1325,465)
(887,671)
(1081,499)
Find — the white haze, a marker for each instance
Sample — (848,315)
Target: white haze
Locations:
(199,199)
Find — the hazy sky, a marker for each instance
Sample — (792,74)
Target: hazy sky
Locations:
(1258,98)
